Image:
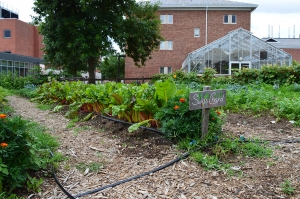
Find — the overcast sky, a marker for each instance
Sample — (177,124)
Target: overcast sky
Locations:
(270,13)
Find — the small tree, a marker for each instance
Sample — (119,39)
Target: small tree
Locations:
(109,67)
(78,32)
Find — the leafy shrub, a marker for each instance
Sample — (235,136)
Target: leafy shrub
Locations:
(2,97)
(24,147)
(29,91)
(175,118)
(208,75)
(179,77)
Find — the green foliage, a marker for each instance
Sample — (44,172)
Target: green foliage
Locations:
(175,118)
(13,81)
(3,94)
(246,75)
(80,32)
(164,90)
(249,98)
(208,75)
(269,74)
(207,161)
(27,148)
(110,67)
(33,184)
(178,76)
(219,153)
(259,98)
(93,167)
(287,188)
(29,91)
(4,195)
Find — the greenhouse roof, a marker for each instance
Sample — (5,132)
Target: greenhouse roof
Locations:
(203,4)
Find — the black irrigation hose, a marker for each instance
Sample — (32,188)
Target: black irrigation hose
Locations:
(134,177)
(185,155)
(129,123)
(58,183)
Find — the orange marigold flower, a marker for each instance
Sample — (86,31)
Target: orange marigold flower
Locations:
(182,100)
(3,144)
(2,116)
(218,112)
(174,76)
(176,107)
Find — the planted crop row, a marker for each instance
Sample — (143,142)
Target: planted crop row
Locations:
(163,105)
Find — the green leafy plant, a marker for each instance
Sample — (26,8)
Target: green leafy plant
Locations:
(24,147)
(287,188)
(93,167)
(208,75)
(5,195)
(33,184)
(29,91)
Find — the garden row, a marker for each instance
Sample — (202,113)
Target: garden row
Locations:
(24,148)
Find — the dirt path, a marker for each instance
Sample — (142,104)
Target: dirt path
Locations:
(120,155)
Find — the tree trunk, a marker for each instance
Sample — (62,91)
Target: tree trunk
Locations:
(91,70)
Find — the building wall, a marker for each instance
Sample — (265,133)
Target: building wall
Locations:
(24,40)
(181,32)
(294,52)
(7,44)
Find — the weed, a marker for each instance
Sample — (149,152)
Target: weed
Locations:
(44,106)
(71,124)
(3,195)
(101,130)
(94,167)
(99,155)
(270,164)
(33,184)
(287,188)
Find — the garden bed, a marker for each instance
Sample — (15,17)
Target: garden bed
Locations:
(115,154)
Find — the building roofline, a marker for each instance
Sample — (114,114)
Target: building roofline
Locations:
(203,5)
(21,58)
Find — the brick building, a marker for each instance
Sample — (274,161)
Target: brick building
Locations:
(188,25)
(20,38)
(20,43)
(289,45)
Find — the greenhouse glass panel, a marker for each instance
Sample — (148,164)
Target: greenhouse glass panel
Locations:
(238,49)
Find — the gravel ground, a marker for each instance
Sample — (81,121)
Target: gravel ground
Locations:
(122,155)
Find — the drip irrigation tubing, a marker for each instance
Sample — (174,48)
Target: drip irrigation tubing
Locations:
(183,156)
(129,123)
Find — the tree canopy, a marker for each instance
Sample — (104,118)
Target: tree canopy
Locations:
(78,32)
(110,67)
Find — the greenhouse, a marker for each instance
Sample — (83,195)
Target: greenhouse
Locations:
(238,49)
(22,65)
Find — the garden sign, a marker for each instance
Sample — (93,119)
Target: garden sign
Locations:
(205,100)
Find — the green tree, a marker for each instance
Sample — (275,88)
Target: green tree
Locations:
(109,67)
(78,32)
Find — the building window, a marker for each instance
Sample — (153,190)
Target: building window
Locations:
(166,19)
(229,19)
(196,32)
(165,70)
(166,45)
(6,33)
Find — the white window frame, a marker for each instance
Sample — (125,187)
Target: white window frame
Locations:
(166,19)
(165,69)
(230,17)
(166,45)
(196,32)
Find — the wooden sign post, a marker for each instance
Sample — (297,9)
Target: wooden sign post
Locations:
(205,100)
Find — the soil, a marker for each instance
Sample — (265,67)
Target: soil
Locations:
(120,155)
